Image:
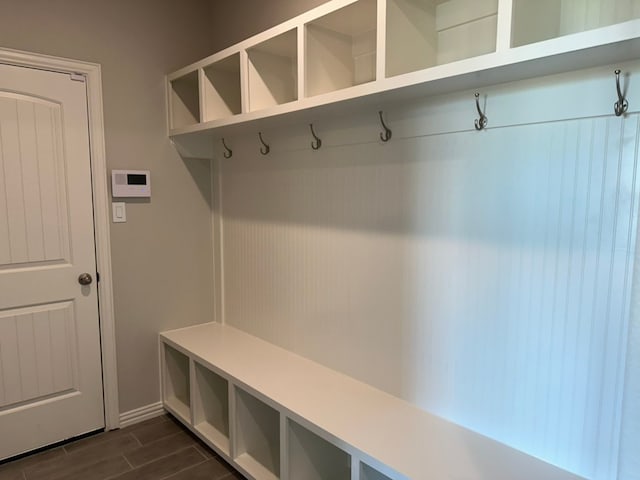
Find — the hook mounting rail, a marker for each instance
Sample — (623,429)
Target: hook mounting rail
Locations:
(621,106)
(386,135)
(481,122)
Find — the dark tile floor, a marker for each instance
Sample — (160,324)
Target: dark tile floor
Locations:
(156,449)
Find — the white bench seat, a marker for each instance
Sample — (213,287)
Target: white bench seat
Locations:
(391,437)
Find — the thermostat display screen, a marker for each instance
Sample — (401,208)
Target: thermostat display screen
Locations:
(130,183)
(136,179)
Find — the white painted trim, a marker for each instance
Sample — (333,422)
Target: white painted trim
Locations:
(218,241)
(141,414)
(93,75)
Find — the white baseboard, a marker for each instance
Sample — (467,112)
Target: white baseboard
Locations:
(140,414)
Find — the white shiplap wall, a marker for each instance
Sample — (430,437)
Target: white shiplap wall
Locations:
(484,276)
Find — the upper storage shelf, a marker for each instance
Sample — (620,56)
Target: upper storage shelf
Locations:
(537,20)
(341,48)
(379,50)
(424,33)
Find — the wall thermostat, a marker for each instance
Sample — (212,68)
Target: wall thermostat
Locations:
(130,183)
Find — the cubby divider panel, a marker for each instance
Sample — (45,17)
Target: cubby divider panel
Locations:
(313,458)
(273,71)
(211,407)
(257,435)
(341,48)
(424,33)
(369,473)
(177,383)
(537,20)
(222,88)
(185,100)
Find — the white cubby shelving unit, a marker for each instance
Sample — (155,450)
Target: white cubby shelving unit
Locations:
(185,100)
(380,51)
(341,48)
(257,436)
(221,88)
(275,415)
(176,388)
(273,71)
(211,407)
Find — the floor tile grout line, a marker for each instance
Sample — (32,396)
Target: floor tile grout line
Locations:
(128,462)
(166,437)
(68,454)
(173,452)
(204,460)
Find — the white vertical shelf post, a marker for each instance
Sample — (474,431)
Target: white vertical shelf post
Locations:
(244,81)
(505,19)
(192,392)
(201,95)
(284,448)
(355,468)
(302,62)
(381,41)
(233,438)
(216,227)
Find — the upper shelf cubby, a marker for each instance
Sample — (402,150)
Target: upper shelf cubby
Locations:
(381,50)
(341,48)
(221,87)
(537,20)
(184,100)
(273,71)
(424,33)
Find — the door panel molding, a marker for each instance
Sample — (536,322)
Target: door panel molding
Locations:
(93,78)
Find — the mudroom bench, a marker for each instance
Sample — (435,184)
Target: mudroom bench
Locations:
(275,415)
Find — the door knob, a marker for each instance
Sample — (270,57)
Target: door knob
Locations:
(85,279)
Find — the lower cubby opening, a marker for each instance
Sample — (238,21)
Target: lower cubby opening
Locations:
(211,407)
(369,473)
(313,458)
(176,383)
(257,436)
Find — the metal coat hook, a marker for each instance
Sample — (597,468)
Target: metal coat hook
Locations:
(265,149)
(228,152)
(317,143)
(481,122)
(621,106)
(386,136)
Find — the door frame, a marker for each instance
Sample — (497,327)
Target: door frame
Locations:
(93,76)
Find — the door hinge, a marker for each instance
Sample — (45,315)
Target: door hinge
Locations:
(77,77)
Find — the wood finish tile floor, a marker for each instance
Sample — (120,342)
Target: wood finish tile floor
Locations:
(157,449)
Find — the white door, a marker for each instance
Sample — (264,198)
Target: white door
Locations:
(50,362)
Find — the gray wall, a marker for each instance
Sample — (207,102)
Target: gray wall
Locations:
(162,261)
(240,19)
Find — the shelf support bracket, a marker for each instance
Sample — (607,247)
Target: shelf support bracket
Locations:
(265,149)
(386,135)
(228,152)
(317,143)
(481,122)
(621,106)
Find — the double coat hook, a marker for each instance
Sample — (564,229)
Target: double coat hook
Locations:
(228,152)
(317,143)
(621,106)
(265,149)
(386,135)
(481,122)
